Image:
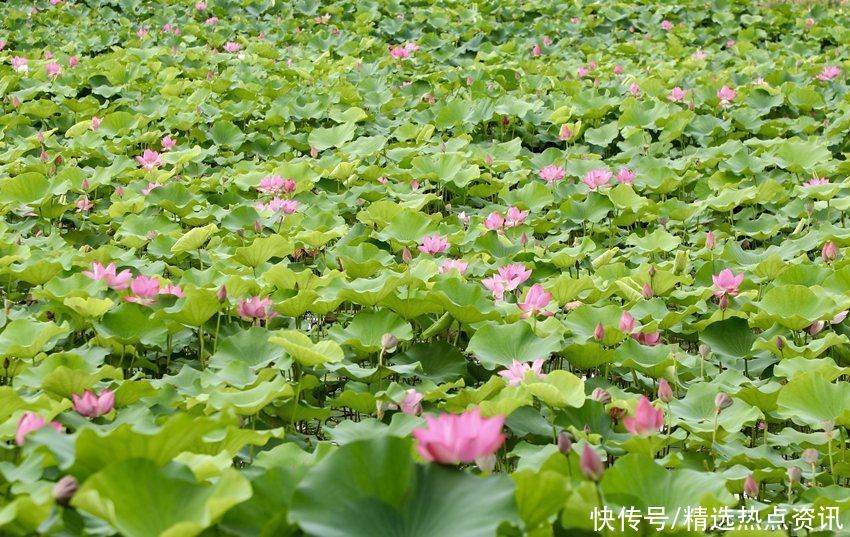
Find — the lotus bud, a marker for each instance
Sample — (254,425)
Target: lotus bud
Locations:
(810,209)
(486,464)
(85,184)
(488,160)
(722,401)
(794,474)
(601,395)
(815,328)
(221,295)
(762,425)
(665,392)
(751,487)
(599,332)
(406,256)
(810,456)
(780,343)
(723,302)
(616,413)
(258,227)
(388,341)
(119,191)
(64,489)
(523,240)
(828,426)
(681,262)
(710,241)
(651,271)
(313,151)
(590,464)
(565,442)
(647,291)
(829,253)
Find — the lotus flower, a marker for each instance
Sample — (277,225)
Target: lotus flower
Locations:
(535,300)
(626,176)
(618,70)
(727,283)
(434,244)
(677,95)
(95,123)
(816,181)
(32,422)
(412,402)
(276,185)
(91,405)
(535,51)
(175,290)
(649,339)
(19,64)
(517,370)
(116,282)
(751,487)
(551,173)
(151,186)
(665,392)
(149,160)
(453,264)
(53,69)
(627,323)
(699,55)
(497,285)
(494,221)
(646,421)
(710,241)
(515,217)
(84,205)
(168,143)
(514,275)
(666,25)
(200,6)
(144,290)
(582,72)
(232,46)
(596,178)
(256,308)
(634,89)
(565,133)
(829,73)
(726,96)
(459,438)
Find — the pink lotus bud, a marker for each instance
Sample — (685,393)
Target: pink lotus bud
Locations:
(85,184)
(810,456)
(829,253)
(723,302)
(64,489)
(488,160)
(710,241)
(794,475)
(313,151)
(599,332)
(815,328)
(388,341)
(601,395)
(665,392)
(647,291)
(258,227)
(722,401)
(590,464)
(221,295)
(565,442)
(751,487)
(627,323)
(406,256)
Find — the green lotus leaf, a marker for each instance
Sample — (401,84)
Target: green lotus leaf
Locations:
(194,239)
(225,133)
(365,331)
(303,350)
(811,399)
(497,345)
(796,306)
(24,338)
(323,139)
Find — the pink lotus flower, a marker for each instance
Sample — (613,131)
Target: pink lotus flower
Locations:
(516,371)
(634,89)
(626,176)
(829,252)
(144,290)
(73,61)
(618,70)
(91,405)
(596,178)
(648,339)
(677,95)
(565,134)
(810,22)
(53,69)
(412,402)
(276,185)
(582,72)
(2,44)
(646,421)
(730,43)
(547,40)
(666,25)
(515,217)
(84,205)
(150,187)
(256,308)
(168,143)
(116,282)
(200,6)
(535,300)
(453,264)
(497,285)
(699,55)
(574,20)
(175,290)
(459,438)
(627,323)
(829,73)
(726,95)
(816,181)
(494,221)
(19,64)
(32,422)
(434,244)
(231,46)
(727,283)
(551,173)
(149,160)
(535,51)
(403,52)
(95,123)
(514,275)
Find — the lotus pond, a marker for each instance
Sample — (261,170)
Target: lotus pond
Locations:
(456,269)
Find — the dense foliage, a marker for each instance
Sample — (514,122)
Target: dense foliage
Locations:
(381,268)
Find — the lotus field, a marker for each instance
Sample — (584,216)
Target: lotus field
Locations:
(424,269)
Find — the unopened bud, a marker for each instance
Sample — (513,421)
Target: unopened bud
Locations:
(64,489)
(601,395)
(388,341)
(565,442)
(722,401)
